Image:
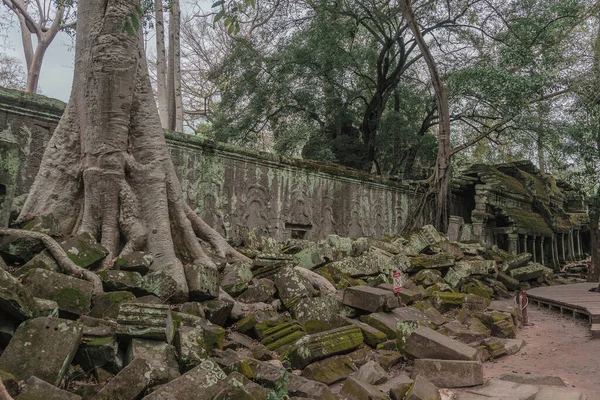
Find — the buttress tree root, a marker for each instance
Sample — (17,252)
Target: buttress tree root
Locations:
(61,257)
(106,170)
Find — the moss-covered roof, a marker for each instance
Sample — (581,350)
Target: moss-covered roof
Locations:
(528,220)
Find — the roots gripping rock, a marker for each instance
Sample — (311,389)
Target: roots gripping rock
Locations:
(106,170)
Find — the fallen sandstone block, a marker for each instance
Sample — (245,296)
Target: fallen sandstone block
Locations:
(354,389)
(427,343)
(449,373)
(370,299)
(15,299)
(422,389)
(315,347)
(330,370)
(43,347)
(72,294)
(36,388)
(148,321)
(129,383)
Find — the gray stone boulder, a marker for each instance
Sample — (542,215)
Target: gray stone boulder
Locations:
(43,260)
(160,356)
(427,236)
(324,310)
(259,290)
(15,299)
(504,389)
(203,282)
(147,321)
(235,277)
(84,251)
(354,389)
(131,382)
(370,263)
(422,389)
(371,373)
(427,343)
(200,381)
(42,347)
(318,346)
(116,280)
(137,261)
(291,286)
(71,294)
(106,305)
(330,370)
(190,346)
(529,272)
(36,389)
(370,299)
(449,373)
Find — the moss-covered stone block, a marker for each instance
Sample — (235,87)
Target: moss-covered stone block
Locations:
(235,277)
(42,347)
(15,298)
(331,370)
(72,294)
(445,302)
(321,345)
(106,305)
(137,261)
(84,251)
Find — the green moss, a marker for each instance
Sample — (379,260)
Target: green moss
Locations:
(528,220)
(72,300)
(99,341)
(314,326)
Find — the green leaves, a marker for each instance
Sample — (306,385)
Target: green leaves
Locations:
(230,12)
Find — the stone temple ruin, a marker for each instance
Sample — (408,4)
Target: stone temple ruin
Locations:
(237,191)
(312,313)
(520,210)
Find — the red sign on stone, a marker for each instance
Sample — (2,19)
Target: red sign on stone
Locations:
(397,277)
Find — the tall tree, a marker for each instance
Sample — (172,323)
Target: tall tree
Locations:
(42,20)
(161,63)
(106,170)
(174,97)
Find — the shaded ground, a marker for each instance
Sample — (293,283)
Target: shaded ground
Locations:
(555,345)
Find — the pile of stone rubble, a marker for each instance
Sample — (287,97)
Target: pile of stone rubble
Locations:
(302,320)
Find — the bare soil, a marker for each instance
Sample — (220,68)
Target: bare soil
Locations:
(558,345)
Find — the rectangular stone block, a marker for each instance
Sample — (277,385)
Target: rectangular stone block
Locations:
(370,299)
(72,294)
(43,347)
(194,384)
(148,321)
(449,373)
(315,347)
(15,299)
(129,383)
(427,343)
(36,388)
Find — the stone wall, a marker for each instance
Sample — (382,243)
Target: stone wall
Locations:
(236,190)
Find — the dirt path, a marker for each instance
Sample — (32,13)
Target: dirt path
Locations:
(555,345)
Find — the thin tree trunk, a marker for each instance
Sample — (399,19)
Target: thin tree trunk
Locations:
(106,170)
(174,105)
(35,68)
(540,142)
(177,67)
(161,63)
(442,174)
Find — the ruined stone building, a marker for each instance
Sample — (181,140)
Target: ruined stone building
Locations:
(237,191)
(518,208)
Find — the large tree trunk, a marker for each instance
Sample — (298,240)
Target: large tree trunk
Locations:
(106,170)
(161,63)
(442,174)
